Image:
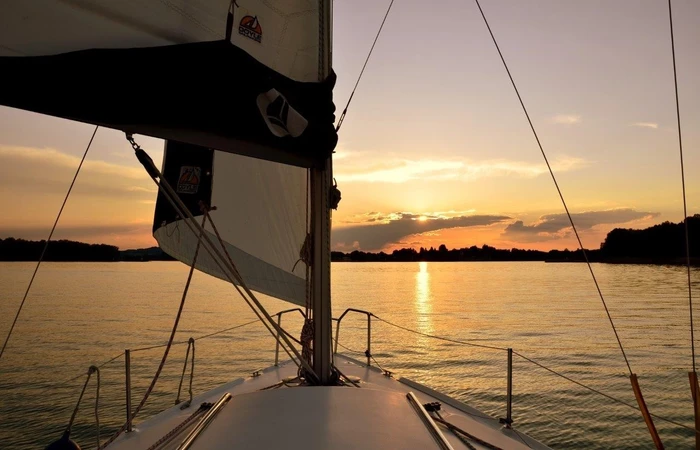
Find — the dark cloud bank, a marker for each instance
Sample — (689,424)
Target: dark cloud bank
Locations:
(376,230)
(373,236)
(556,226)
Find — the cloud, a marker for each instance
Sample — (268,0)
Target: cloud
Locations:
(566,119)
(646,125)
(111,203)
(557,226)
(402,170)
(123,236)
(377,217)
(379,230)
(49,171)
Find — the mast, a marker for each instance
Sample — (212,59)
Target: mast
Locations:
(321,223)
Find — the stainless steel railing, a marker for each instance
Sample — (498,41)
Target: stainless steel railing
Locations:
(369,315)
(507,421)
(279,327)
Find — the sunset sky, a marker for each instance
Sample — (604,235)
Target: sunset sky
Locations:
(435,148)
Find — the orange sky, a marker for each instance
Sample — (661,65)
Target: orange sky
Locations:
(435,131)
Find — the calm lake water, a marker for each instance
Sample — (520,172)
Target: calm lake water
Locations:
(80,314)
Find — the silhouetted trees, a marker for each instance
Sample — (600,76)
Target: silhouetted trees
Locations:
(662,243)
(21,250)
(12,249)
(473,253)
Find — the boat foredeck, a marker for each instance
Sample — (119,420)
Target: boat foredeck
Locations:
(377,415)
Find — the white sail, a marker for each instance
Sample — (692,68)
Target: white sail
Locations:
(282,34)
(245,77)
(261,210)
(216,79)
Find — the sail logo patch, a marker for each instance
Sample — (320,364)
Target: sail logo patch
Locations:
(280,117)
(250,28)
(188,183)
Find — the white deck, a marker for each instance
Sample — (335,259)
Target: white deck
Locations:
(375,416)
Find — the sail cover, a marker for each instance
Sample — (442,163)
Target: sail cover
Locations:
(241,76)
(260,215)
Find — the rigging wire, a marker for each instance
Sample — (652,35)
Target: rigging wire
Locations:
(455,341)
(101,365)
(596,391)
(151,347)
(46,245)
(229,270)
(365,353)
(556,184)
(345,111)
(170,341)
(530,360)
(268,319)
(65,441)
(685,206)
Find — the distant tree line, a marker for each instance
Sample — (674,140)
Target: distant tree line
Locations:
(660,244)
(12,249)
(62,250)
(473,253)
(663,243)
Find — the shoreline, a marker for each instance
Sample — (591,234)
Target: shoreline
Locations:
(631,261)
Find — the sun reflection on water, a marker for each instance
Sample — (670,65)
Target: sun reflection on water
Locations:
(423,304)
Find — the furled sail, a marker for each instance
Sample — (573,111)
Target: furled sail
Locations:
(241,77)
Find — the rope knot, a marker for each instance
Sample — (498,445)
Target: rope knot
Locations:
(307,338)
(305,252)
(334,195)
